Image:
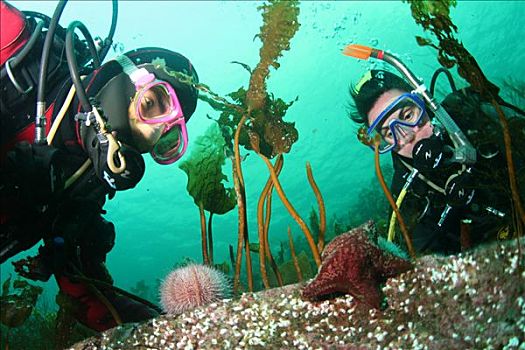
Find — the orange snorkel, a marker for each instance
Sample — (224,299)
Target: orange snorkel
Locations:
(463,151)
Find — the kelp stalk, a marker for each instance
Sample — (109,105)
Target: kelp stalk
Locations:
(262,243)
(210,239)
(388,195)
(264,249)
(322,210)
(292,211)
(236,152)
(278,166)
(510,161)
(203,166)
(232,256)
(204,245)
(512,175)
(294,256)
(243,234)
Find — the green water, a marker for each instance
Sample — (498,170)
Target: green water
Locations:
(157,223)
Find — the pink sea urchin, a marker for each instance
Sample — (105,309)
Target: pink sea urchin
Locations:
(191,286)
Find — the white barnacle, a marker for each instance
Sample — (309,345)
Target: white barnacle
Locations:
(420,309)
(381,336)
(284,323)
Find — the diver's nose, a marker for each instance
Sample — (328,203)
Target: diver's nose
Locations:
(405,134)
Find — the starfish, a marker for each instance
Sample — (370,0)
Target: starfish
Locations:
(352,264)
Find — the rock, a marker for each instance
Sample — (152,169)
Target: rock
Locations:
(468,301)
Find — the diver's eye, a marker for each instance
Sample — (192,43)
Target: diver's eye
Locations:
(406,116)
(387,134)
(147,103)
(410,114)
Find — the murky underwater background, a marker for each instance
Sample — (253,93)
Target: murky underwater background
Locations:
(157,223)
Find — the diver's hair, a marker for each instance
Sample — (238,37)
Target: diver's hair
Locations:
(364,96)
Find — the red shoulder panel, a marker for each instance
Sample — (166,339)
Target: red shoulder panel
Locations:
(14,31)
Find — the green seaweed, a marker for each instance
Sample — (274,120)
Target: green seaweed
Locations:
(204,170)
(15,308)
(265,111)
(279,26)
(434,16)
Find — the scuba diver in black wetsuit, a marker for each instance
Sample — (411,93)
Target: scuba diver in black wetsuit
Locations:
(56,173)
(450,173)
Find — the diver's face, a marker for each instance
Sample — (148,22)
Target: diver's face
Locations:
(147,135)
(420,132)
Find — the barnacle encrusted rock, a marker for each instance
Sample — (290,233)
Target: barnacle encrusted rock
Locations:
(468,301)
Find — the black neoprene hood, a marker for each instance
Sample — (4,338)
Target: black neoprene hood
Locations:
(379,82)
(113,90)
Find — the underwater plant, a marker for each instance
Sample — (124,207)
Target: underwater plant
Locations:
(434,16)
(205,182)
(17,306)
(253,118)
(366,140)
(294,256)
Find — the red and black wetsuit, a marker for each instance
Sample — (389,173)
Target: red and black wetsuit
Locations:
(76,236)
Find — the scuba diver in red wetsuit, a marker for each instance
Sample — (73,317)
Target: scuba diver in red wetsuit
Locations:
(93,122)
(448,158)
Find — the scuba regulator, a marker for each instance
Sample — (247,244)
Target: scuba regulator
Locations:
(464,152)
(117,166)
(432,154)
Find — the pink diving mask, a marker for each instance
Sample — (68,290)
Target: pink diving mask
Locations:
(157,103)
